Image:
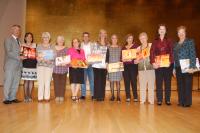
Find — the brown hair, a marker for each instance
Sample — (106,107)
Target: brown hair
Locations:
(181,27)
(165,28)
(127,36)
(28,33)
(86,33)
(77,40)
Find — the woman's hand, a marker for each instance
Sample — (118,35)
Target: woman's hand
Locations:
(22,57)
(136,61)
(155,66)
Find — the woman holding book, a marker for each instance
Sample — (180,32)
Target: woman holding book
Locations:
(114,56)
(130,67)
(29,72)
(146,72)
(99,69)
(184,49)
(161,56)
(60,70)
(45,64)
(76,69)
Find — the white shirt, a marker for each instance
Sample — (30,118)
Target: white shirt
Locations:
(15,38)
(86,48)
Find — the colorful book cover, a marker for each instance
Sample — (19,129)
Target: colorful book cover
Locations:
(46,54)
(95,58)
(63,60)
(129,54)
(146,52)
(115,67)
(185,65)
(163,60)
(29,53)
(78,63)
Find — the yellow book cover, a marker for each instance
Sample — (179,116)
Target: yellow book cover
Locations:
(129,54)
(163,60)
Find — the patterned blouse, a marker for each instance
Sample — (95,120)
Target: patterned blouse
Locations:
(61,69)
(100,49)
(186,50)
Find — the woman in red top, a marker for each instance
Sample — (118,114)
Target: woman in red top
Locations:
(162,46)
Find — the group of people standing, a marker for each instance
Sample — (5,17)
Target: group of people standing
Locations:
(147,70)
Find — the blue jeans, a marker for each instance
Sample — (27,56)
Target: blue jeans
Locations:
(88,72)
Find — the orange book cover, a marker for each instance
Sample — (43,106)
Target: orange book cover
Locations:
(163,60)
(129,54)
(28,52)
(146,52)
(78,63)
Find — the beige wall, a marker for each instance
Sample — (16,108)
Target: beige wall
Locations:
(11,12)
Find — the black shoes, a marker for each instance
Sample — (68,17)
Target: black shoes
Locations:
(82,97)
(15,101)
(100,99)
(10,102)
(159,103)
(7,102)
(112,98)
(183,105)
(168,103)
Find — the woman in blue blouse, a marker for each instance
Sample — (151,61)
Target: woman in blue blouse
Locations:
(184,49)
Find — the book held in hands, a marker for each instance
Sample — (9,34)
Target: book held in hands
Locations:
(185,66)
(129,54)
(163,60)
(76,63)
(63,60)
(94,58)
(46,54)
(28,52)
(115,67)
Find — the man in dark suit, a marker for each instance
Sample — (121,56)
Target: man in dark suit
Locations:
(12,65)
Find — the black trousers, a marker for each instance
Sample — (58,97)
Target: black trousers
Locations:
(130,77)
(163,74)
(184,84)
(99,83)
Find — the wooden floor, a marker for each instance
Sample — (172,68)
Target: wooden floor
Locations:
(99,117)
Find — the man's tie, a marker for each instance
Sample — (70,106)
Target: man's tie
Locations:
(18,41)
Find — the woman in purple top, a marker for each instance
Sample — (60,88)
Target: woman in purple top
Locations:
(60,71)
(130,70)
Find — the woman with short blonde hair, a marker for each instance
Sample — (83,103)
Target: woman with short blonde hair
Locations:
(45,64)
